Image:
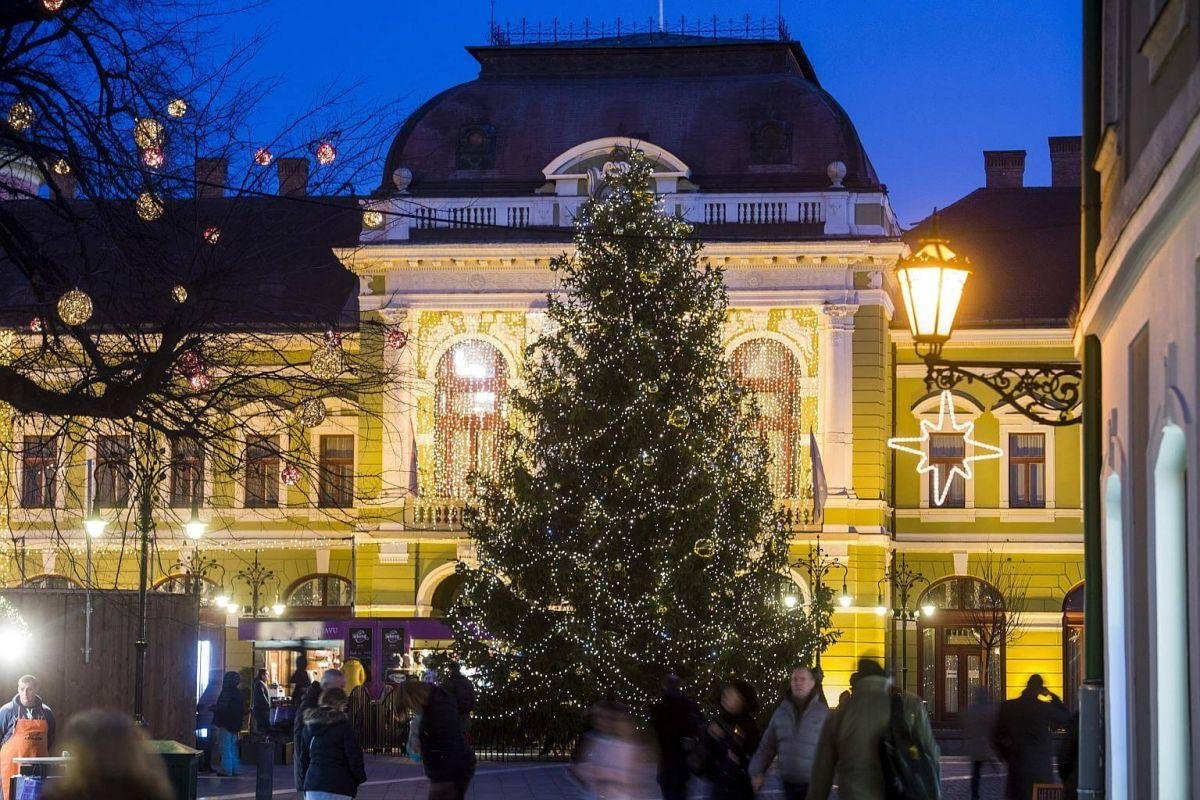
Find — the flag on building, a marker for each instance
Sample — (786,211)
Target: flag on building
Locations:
(820,489)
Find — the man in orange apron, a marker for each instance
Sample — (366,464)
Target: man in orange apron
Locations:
(26,729)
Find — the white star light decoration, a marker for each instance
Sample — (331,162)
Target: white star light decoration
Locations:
(919,446)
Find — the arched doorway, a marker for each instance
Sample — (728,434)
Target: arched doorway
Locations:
(1072,637)
(952,661)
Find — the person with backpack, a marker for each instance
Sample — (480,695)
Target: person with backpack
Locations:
(330,758)
(792,736)
(864,738)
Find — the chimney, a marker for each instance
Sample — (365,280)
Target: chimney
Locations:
(293,176)
(1005,169)
(1065,161)
(212,174)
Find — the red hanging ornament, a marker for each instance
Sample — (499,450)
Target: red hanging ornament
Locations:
(326,153)
(290,475)
(396,338)
(35,325)
(263,157)
(153,157)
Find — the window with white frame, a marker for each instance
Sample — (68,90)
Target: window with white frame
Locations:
(262,472)
(1027,470)
(112,470)
(187,472)
(39,471)
(335,480)
(946,451)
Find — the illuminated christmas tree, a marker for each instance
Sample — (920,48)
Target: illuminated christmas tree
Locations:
(631,530)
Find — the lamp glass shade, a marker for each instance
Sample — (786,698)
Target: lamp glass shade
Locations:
(194,528)
(94,527)
(221,601)
(931,297)
(790,601)
(845,600)
(278,609)
(928,609)
(880,610)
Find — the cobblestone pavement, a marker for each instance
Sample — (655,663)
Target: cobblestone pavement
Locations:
(398,779)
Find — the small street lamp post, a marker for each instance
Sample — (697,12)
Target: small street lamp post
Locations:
(902,579)
(255,576)
(816,565)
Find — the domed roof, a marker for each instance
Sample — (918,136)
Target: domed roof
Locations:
(744,115)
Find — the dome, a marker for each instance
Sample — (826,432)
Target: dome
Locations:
(744,115)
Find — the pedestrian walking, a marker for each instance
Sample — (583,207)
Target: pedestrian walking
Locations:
(792,736)
(228,716)
(301,680)
(330,757)
(1024,738)
(676,721)
(609,754)
(26,728)
(463,691)
(729,742)
(850,740)
(260,704)
(330,679)
(448,759)
(979,723)
(109,761)
(206,730)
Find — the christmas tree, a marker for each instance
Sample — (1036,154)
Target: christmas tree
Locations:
(631,530)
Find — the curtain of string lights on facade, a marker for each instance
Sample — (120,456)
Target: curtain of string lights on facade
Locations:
(769,369)
(472,382)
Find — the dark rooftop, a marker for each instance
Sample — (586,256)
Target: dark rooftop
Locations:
(1023,244)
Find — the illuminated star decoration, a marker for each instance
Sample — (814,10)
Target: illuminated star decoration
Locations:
(946,423)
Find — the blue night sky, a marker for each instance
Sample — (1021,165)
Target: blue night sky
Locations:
(928,83)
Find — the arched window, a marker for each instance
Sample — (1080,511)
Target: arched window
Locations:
(1072,634)
(953,660)
(472,380)
(51,581)
(445,594)
(184,583)
(769,369)
(323,590)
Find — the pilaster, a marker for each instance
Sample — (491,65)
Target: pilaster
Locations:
(836,333)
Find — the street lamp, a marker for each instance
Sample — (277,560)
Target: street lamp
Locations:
(902,580)
(817,566)
(255,576)
(931,284)
(195,527)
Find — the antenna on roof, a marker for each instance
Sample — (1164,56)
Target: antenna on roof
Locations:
(661,18)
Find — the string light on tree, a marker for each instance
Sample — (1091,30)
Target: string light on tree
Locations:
(153,157)
(52,5)
(149,206)
(327,362)
(177,107)
(179,293)
(396,338)
(290,475)
(21,116)
(74,307)
(61,167)
(36,325)
(372,219)
(973,450)
(148,132)
(211,235)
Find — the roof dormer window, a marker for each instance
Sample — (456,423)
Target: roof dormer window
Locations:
(476,147)
(771,142)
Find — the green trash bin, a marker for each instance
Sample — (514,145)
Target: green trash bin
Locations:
(183,766)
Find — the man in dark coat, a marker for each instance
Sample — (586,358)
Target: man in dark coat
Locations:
(449,761)
(459,687)
(310,698)
(676,721)
(329,758)
(260,704)
(1024,737)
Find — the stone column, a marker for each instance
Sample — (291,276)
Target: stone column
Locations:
(836,331)
(399,472)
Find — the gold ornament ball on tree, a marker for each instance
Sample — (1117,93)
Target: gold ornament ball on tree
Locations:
(312,412)
(148,132)
(179,293)
(679,417)
(650,277)
(177,107)
(75,307)
(704,548)
(372,219)
(647,459)
(149,206)
(20,116)
(328,362)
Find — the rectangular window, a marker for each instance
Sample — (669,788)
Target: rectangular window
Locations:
(1027,470)
(112,471)
(39,465)
(187,472)
(336,485)
(262,472)
(947,450)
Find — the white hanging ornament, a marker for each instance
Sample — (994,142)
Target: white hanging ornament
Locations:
(177,107)
(149,206)
(311,412)
(328,362)
(946,423)
(74,307)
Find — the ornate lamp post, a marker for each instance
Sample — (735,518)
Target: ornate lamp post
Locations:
(902,580)
(816,565)
(931,284)
(197,569)
(255,576)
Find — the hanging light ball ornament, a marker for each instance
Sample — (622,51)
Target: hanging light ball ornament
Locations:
(263,157)
(74,307)
(35,325)
(311,412)
(52,5)
(153,157)
(647,459)
(704,548)
(61,167)
(149,206)
(372,219)
(396,338)
(148,132)
(179,293)
(200,380)
(20,116)
(177,107)
(679,417)
(326,153)
(211,235)
(290,475)
(328,362)
(650,277)
(553,385)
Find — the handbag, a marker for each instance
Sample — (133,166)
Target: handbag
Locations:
(909,771)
